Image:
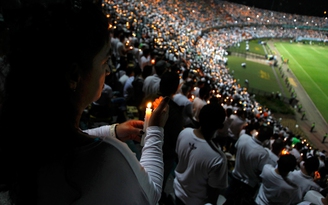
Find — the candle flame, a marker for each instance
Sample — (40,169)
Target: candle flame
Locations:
(284,152)
(149,105)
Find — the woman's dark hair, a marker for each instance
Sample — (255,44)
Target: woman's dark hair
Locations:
(47,41)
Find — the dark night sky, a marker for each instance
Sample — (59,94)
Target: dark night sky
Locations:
(302,7)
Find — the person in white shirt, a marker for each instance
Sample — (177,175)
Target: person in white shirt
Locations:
(275,187)
(296,151)
(128,91)
(136,52)
(202,169)
(199,102)
(237,125)
(304,177)
(313,197)
(151,83)
(114,41)
(121,51)
(275,151)
(224,135)
(182,100)
(145,58)
(123,80)
(251,157)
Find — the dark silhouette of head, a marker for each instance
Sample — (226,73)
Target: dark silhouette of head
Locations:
(311,164)
(277,146)
(211,118)
(160,67)
(169,83)
(286,164)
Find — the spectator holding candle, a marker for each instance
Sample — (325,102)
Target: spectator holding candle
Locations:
(60,163)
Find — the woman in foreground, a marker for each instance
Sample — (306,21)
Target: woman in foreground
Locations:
(59,61)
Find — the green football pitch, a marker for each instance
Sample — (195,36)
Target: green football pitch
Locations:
(309,63)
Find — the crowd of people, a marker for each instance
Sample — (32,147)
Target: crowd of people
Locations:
(206,131)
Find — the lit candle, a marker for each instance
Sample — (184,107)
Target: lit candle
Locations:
(284,152)
(147,117)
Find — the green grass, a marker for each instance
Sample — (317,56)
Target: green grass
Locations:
(309,63)
(254,47)
(275,105)
(259,76)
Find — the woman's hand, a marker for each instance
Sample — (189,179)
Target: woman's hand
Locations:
(130,130)
(160,114)
(133,129)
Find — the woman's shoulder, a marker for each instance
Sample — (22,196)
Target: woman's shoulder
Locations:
(94,169)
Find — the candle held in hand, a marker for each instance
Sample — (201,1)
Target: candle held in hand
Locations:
(146,122)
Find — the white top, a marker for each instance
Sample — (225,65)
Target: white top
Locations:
(195,91)
(106,172)
(236,126)
(144,61)
(182,100)
(120,50)
(304,181)
(275,190)
(151,85)
(313,197)
(128,88)
(225,131)
(197,105)
(250,159)
(136,54)
(273,158)
(123,79)
(114,42)
(199,166)
(296,154)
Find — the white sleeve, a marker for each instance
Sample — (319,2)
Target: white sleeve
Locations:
(151,175)
(101,132)
(152,161)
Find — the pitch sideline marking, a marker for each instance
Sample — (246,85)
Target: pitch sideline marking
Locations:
(305,72)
